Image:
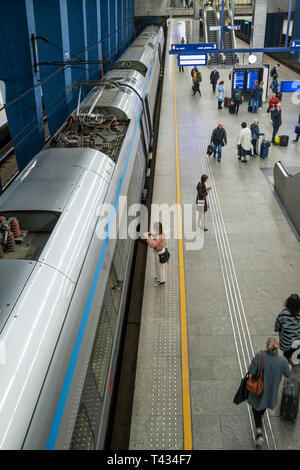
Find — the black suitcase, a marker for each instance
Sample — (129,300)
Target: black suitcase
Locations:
(279,96)
(232,108)
(284,140)
(290,399)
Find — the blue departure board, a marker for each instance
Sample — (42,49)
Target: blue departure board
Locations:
(239,77)
(289,87)
(252,76)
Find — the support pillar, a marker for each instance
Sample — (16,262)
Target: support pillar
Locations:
(25,116)
(105,26)
(296,28)
(57,93)
(92,34)
(259,27)
(197,6)
(99,37)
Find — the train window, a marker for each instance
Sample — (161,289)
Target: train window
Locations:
(103,344)
(150,44)
(83,437)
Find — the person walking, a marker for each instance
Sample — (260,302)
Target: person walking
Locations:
(244,142)
(287,325)
(186,4)
(156,241)
(237,99)
(197,78)
(218,140)
(274,85)
(254,97)
(255,136)
(276,121)
(274,367)
(297,131)
(214,77)
(261,92)
(221,91)
(202,193)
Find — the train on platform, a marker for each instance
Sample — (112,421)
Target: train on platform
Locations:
(63,285)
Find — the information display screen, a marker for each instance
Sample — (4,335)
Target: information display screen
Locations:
(252,76)
(239,78)
(192,60)
(289,87)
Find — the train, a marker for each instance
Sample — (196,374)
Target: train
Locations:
(63,287)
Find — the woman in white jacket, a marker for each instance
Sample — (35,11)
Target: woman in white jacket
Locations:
(244,142)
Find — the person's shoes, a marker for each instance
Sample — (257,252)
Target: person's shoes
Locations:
(158,284)
(219,159)
(239,158)
(205,229)
(259,441)
(293,141)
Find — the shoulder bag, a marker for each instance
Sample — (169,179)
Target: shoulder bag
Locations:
(256,385)
(242,392)
(164,257)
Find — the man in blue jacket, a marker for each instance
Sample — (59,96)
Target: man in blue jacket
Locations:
(255,94)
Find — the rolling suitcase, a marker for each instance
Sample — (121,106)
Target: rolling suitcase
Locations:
(264,149)
(290,399)
(279,96)
(284,140)
(232,108)
(227,102)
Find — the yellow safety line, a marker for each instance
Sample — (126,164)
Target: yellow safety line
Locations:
(187,425)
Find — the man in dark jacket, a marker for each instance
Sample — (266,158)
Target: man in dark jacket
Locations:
(255,94)
(276,121)
(214,77)
(219,139)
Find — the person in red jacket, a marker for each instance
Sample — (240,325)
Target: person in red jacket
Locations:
(273,102)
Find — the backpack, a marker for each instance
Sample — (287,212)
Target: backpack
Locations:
(199,77)
(237,97)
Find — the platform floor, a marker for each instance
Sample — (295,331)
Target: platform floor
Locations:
(235,284)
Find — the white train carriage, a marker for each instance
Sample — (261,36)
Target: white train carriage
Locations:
(63,289)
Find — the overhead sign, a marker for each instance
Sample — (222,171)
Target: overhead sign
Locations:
(289,86)
(233,28)
(295,44)
(194,59)
(215,28)
(192,48)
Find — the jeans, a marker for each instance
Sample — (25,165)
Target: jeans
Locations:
(258,417)
(254,143)
(237,107)
(181,69)
(255,104)
(275,130)
(219,148)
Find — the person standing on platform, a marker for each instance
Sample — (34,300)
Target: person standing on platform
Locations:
(186,4)
(288,325)
(221,94)
(181,69)
(255,94)
(237,99)
(297,131)
(274,367)
(156,241)
(244,142)
(218,140)
(214,77)
(202,193)
(273,102)
(276,121)
(197,78)
(261,92)
(255,136)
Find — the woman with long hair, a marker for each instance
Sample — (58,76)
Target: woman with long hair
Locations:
(156,241)
(288,325)
(201,200)
(274,366)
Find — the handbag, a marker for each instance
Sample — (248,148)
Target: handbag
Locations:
(268,110)
(256,385)
(164,257)
(210,150)
(242,392)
